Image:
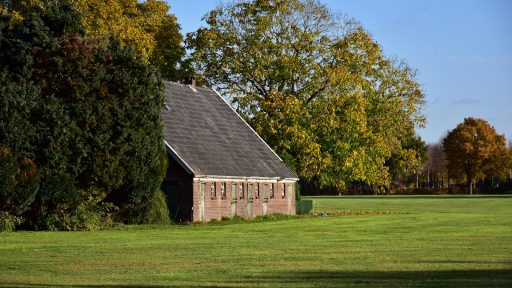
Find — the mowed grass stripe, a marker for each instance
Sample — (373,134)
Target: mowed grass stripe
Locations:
(435,242)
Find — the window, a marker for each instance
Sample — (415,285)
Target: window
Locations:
(242,191)
(283,191)
(257,190)
(271,189)
(250,194)
(213,192)
(223,190)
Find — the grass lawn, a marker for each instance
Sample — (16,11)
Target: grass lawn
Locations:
(413,242)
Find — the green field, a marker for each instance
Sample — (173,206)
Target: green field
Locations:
(382,242)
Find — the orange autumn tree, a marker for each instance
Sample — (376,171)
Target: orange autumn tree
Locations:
(474,151)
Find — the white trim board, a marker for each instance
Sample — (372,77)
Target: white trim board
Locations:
(179,159)
(242,179)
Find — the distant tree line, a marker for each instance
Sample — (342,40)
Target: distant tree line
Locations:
(471,155)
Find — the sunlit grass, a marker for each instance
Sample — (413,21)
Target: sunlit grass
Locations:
(369,241)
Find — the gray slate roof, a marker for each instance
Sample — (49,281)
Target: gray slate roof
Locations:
(208,137)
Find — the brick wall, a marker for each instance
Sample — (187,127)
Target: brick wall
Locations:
(246,205)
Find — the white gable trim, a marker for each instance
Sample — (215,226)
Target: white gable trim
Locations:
(179,159)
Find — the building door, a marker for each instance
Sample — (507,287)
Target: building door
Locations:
(233,199)
(250,197)
(264,199)
(202,189)
(172,191)
(290,197)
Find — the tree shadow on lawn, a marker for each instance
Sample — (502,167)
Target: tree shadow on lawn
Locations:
(313,278)
(458,278)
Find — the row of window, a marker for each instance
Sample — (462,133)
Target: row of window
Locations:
(251,191)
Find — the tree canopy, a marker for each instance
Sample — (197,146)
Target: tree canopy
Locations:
(474,150)
(79,122)
(315,85)
(145,25)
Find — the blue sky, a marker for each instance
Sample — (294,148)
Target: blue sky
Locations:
(462,50)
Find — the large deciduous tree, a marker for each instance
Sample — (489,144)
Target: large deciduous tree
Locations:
(316,86)
(474,150)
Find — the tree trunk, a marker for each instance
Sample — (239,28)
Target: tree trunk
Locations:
(470,182)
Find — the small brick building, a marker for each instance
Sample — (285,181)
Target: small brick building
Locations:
(218,166)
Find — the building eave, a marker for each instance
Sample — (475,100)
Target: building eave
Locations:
(243,178)
(178,159)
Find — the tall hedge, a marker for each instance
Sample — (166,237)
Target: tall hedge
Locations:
(85,114)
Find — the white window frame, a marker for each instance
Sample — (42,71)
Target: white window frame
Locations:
(241,191)
(213,190)
(223,190)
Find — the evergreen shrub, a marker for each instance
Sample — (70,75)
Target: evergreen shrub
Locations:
(9,222)
(157,211)
(77,116)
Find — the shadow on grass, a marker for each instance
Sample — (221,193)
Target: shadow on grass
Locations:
(442,279)
(459,278)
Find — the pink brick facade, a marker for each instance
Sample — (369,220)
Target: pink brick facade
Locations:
(249,203)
